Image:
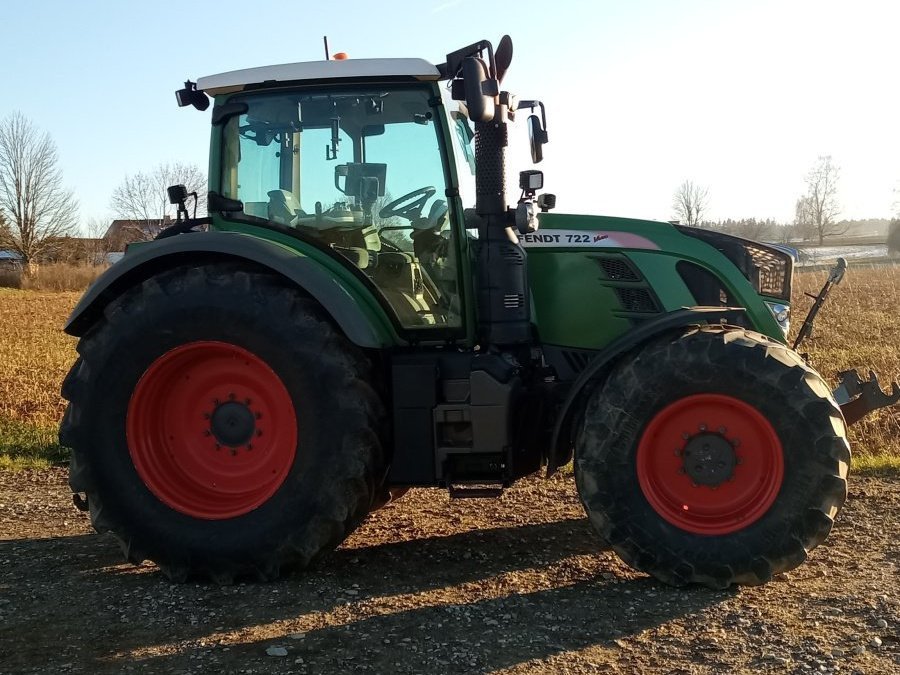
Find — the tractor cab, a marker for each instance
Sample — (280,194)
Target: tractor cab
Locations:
(361,169)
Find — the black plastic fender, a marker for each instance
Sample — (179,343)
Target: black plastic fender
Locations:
(199,247)
(561,446)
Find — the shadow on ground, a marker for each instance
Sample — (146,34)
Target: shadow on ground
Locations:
(479,600)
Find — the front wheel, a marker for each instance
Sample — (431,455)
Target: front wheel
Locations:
(718,457)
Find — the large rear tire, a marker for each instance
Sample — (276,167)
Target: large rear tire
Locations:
(717,457)
(221,426)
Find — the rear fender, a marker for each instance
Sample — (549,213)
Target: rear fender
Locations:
(561,447)
(345,308)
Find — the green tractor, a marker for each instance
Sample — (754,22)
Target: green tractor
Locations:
(362,311)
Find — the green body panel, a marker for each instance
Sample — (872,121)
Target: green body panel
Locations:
(575,307)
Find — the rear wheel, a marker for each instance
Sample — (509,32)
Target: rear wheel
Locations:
(718,457)
(221,427)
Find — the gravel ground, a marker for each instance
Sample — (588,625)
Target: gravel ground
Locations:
(426,585)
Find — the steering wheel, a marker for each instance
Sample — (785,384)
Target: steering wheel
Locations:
(410,205)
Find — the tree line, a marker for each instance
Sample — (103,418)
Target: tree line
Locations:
(815,212)
(39,215)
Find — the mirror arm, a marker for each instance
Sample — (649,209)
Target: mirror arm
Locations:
(531,105)
(331,152)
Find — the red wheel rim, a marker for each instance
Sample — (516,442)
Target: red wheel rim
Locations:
(211,430)
(671,463)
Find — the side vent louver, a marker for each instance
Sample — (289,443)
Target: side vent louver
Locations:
(617,269)
(637,300)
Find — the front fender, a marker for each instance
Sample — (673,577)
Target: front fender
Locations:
(561,447)
(345,308)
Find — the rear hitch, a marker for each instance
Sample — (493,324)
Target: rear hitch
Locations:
(868,395)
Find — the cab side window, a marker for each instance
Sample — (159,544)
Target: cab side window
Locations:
(362,173)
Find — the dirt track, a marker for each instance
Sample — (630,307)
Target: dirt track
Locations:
(432,586)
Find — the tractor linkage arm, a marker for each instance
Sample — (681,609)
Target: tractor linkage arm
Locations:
(869,396)
(856,397)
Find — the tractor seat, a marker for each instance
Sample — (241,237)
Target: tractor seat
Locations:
(283,207)
(339,228)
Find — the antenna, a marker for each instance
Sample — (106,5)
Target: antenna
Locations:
(325,39)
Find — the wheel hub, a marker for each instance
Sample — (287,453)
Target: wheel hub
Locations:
(709,459)
(233,424)
(710,464)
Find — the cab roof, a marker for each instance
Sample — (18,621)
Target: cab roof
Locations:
(236,80)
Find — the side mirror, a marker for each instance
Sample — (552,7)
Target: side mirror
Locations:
(537,136)
(503,56)
(480,90)
(189,95)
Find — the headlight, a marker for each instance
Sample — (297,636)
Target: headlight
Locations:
(782,314)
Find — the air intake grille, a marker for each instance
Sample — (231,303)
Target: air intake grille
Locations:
(617,269)
(767,268)
(636,300)
(773,270)
(513,301)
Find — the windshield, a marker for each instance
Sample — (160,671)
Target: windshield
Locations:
(360,171)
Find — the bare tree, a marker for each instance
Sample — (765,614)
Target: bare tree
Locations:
(893,238)
(803,219)
(97,245)
(142,197)
(821,199)
(690,203)
(33,202)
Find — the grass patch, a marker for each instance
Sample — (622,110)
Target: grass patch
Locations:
(28,445)
(875,465)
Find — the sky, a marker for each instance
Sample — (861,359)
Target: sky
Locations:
(740,96)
